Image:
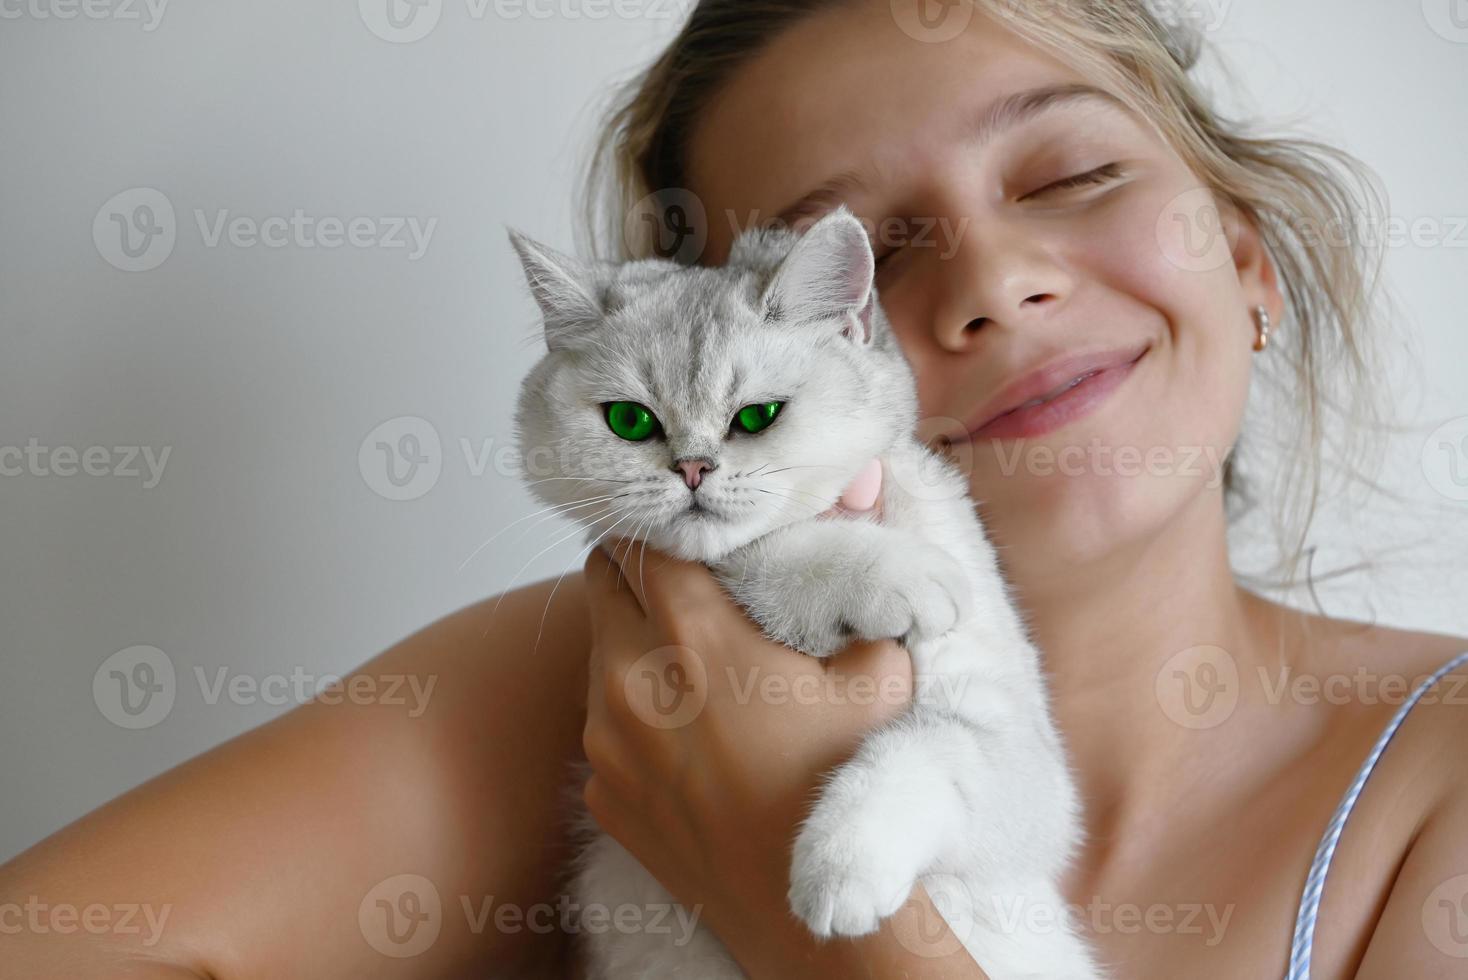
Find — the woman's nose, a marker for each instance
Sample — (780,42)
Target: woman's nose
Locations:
(994,279)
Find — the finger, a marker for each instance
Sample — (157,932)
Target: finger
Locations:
(601,803)
(667,586)
(613,610)
(864,491)
(627,554)
(886,662)
(862,495)
(610,597)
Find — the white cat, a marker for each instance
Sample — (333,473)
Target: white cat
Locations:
(713,413)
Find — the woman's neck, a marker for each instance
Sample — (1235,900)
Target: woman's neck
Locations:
(1139,648)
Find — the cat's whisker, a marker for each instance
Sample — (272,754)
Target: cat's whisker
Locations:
(641,554)
(581,557)
(807,493)
(623,495)
(550,547)
(783,504)
(810,509)
(803,466)
(825,505)
(580,479)
(558,510)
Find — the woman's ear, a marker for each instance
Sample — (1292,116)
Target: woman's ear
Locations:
(1257,274)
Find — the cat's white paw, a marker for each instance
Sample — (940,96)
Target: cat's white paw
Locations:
(913,593)
(823,584)
(843,886)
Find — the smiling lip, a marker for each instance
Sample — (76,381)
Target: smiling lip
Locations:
(1055,395)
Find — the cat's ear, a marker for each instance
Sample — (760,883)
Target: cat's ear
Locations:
(827,277)
(565,288)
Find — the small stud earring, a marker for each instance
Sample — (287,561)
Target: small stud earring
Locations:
(1261,321)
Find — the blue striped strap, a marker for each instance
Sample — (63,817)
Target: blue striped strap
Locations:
(1304,941)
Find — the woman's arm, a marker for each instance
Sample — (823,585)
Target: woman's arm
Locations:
(1423,928)
(254,859)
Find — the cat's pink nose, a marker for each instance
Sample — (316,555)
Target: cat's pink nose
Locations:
(693,471)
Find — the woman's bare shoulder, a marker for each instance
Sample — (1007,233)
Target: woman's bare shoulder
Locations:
(1437,726)
(1375,670)
(298,848)
(1422,789)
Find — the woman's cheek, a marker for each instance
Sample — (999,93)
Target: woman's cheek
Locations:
(1161,263)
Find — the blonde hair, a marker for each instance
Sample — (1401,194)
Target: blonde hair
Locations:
(1306,199)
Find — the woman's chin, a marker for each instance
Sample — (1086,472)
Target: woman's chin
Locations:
(1064,522)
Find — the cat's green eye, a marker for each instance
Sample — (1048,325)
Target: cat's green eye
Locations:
(757,418)
(631,421)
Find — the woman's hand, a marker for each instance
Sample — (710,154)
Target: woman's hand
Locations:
(708,740)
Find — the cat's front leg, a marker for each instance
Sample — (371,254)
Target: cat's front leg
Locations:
(930,792)
(883,820)
(819,585)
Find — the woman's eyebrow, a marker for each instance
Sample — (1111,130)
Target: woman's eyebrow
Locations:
(822,198)
(1009,111)
(1003,113)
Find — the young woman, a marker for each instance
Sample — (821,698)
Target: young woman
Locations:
(1087,215)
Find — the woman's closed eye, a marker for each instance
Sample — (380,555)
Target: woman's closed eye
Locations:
(1101,175)
(884,252)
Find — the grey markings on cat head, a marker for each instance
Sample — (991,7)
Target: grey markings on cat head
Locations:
(790,320)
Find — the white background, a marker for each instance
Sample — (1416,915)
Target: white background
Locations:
(263,550)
